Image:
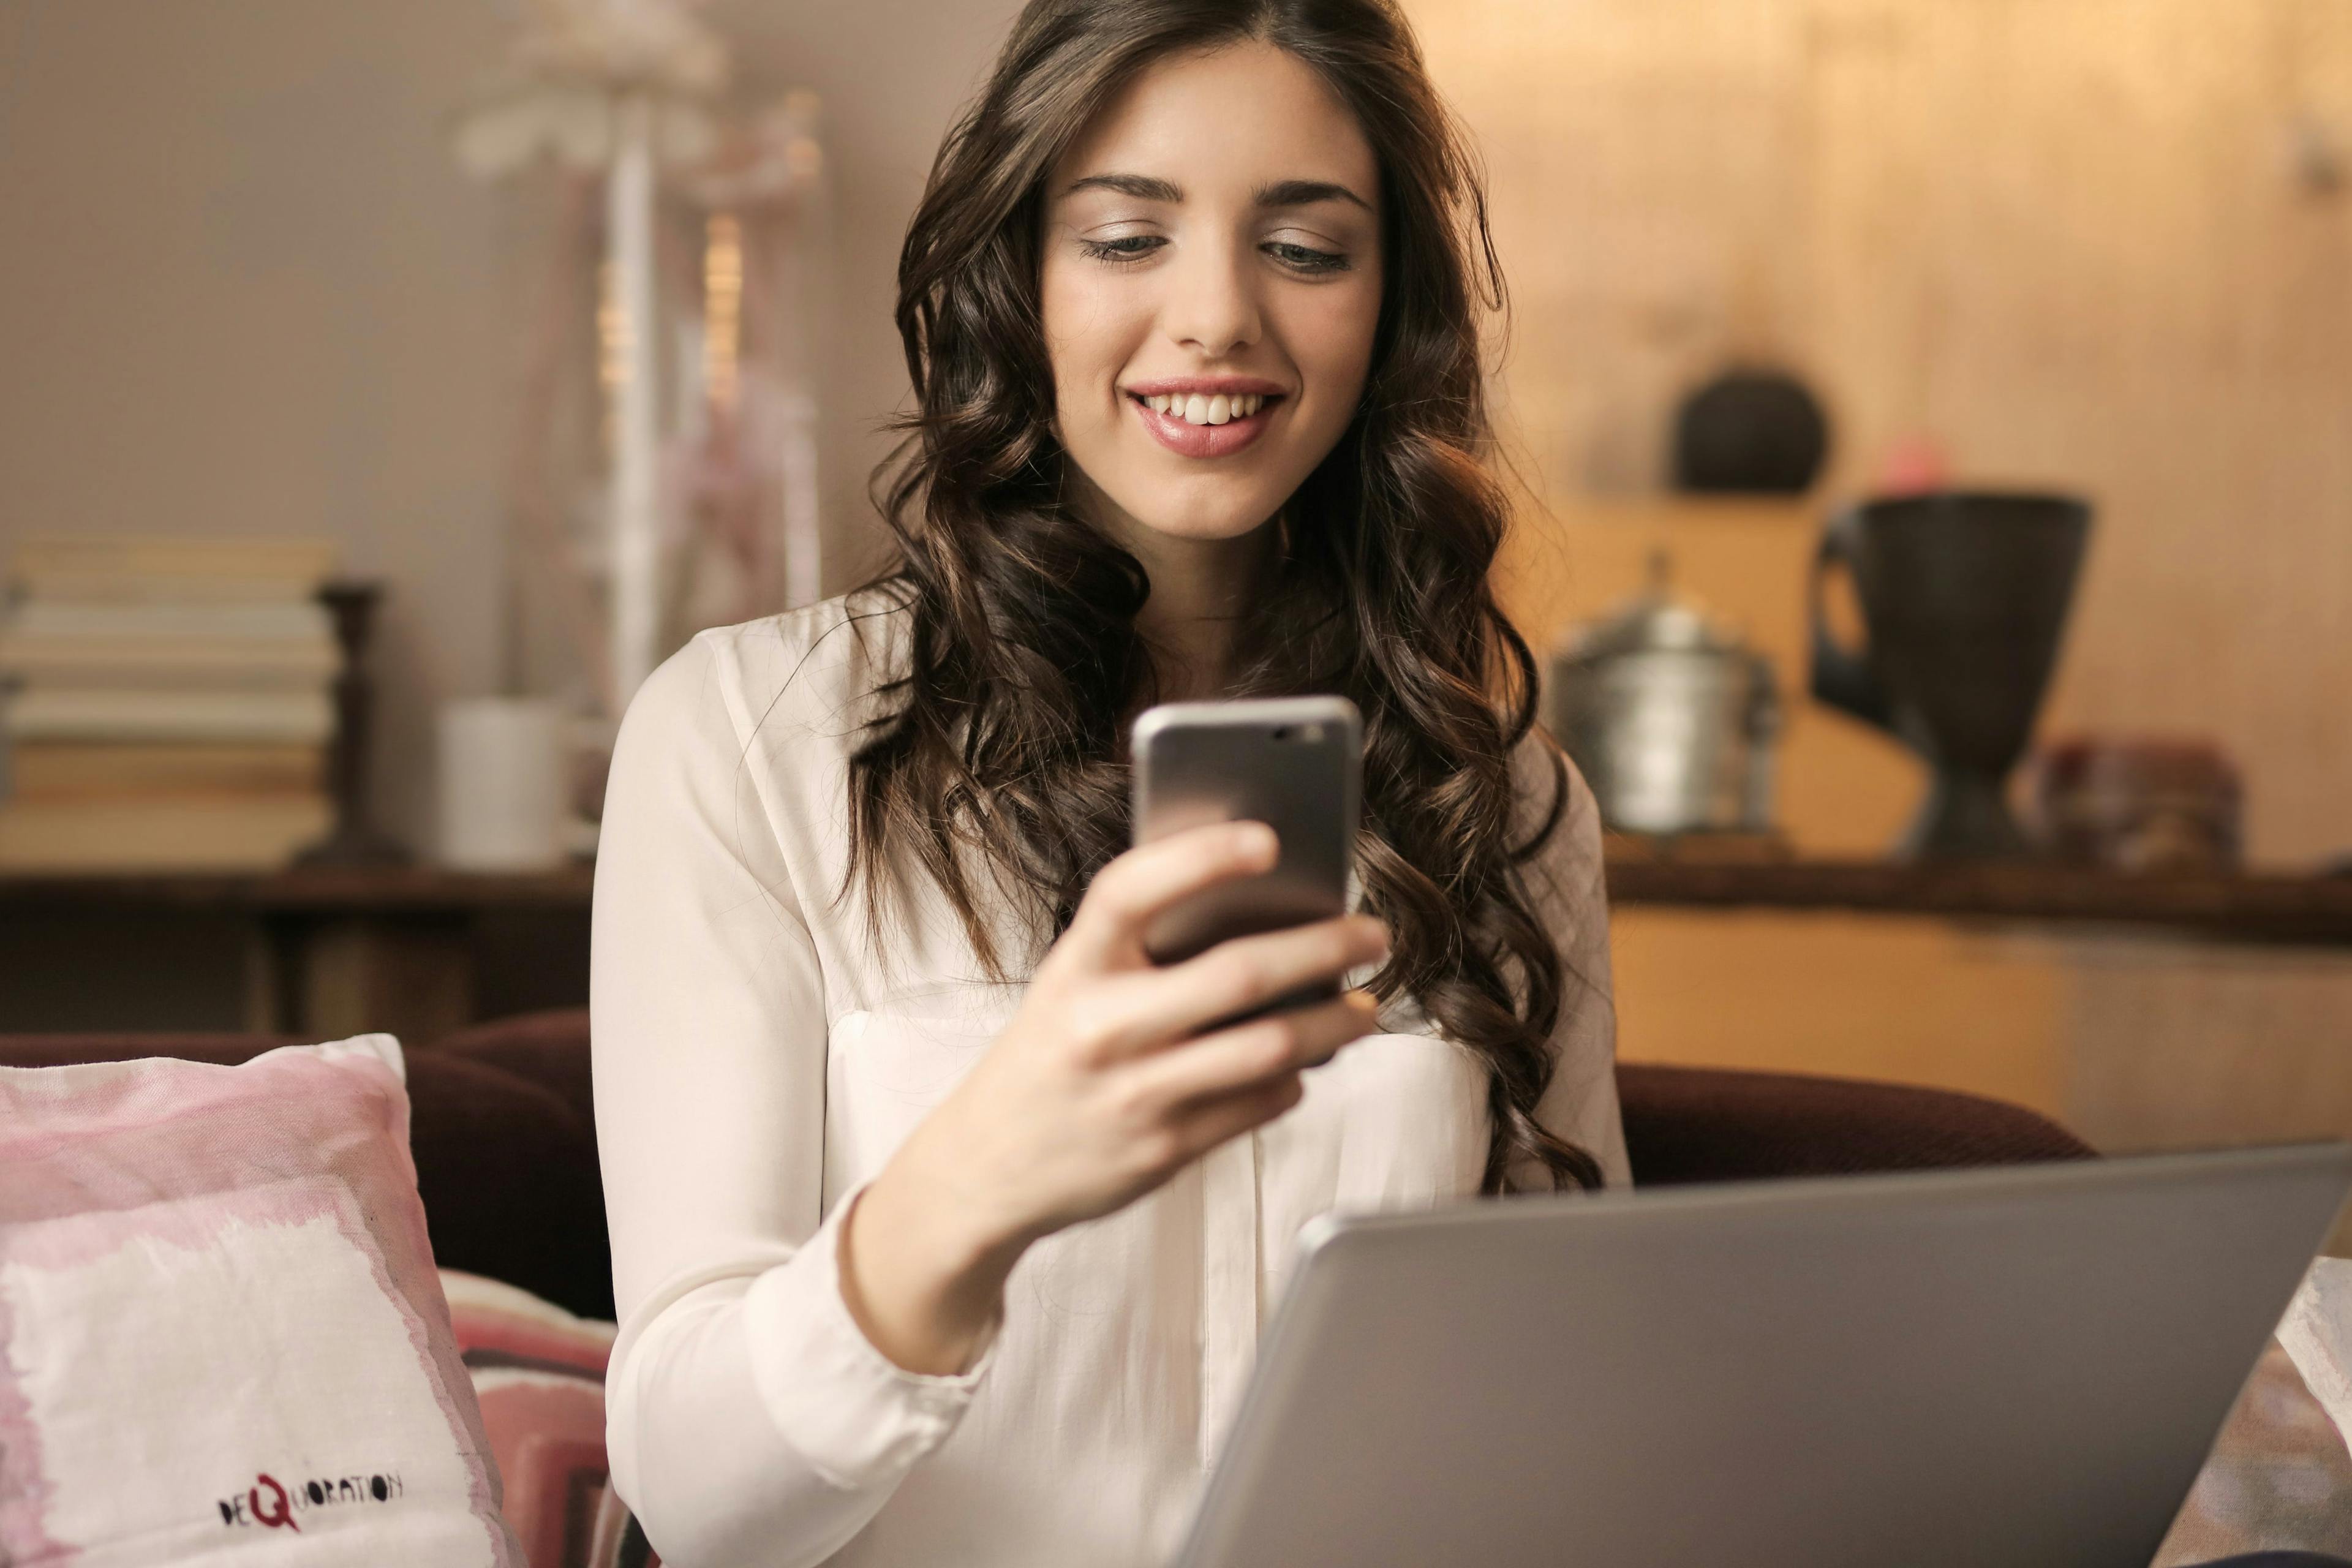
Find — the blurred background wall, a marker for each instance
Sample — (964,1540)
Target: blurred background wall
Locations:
(2098,244)
(250,291)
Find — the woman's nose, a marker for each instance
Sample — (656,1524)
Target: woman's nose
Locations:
(1211,305)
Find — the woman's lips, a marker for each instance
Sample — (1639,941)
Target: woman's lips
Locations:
(1190,440)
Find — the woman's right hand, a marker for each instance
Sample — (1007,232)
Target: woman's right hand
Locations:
(1099,1089)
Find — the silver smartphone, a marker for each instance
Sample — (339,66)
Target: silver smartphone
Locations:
(1293,762)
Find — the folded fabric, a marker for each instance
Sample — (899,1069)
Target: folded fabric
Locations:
(539,1374)
(2278,1478)
(222,1339)
(2317,1333)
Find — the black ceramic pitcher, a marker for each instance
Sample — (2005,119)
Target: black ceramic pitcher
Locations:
(1964,598)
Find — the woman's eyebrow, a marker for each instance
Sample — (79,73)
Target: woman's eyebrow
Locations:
(1307,192)
(1142,187)
(1281,194)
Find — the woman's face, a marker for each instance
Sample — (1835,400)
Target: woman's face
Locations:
(1210,279)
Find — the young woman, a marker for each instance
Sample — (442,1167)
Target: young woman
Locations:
(943,1226)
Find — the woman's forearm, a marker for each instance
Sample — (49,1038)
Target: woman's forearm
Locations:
(921,1276)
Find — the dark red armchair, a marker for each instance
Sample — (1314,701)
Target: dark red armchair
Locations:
(504,1135)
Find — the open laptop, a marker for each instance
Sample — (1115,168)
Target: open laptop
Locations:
(2014,1368)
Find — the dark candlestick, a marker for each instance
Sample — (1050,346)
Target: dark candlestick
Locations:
(354,841)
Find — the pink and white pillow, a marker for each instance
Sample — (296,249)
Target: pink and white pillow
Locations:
(222,1339)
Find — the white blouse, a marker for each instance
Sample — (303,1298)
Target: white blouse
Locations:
(757,1059)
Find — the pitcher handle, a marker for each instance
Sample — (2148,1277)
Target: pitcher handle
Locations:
(1842,675)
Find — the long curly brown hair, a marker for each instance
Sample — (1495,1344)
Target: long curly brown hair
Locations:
(999,762)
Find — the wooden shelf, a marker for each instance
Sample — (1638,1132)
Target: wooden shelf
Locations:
(2311,910)
(393,889)
(2244,907)
(333,952)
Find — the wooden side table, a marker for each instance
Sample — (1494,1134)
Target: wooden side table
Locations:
(327,950)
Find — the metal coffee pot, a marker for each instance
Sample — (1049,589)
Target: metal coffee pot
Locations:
(1673,720)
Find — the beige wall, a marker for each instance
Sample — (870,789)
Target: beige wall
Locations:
(2070,240)
(247,294)
(2066,236)
(247,290)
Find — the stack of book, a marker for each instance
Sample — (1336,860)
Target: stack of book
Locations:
(167,704)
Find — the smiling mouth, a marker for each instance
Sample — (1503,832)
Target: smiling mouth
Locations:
(1192,425)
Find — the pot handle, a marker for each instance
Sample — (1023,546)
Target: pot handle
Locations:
(1765,719)
(1842,676)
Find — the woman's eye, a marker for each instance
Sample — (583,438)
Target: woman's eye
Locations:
(1128,248)
(1306,260)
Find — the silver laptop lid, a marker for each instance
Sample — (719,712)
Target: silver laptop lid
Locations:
(2017,1367)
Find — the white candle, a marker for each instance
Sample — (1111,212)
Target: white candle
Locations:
(503,792)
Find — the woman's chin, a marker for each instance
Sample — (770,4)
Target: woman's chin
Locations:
(1197,513)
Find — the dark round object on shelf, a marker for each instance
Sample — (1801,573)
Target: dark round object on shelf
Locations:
(1750,432)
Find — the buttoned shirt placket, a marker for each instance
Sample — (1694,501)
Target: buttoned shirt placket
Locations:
(1230,1286)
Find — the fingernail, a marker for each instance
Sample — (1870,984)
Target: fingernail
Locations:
(1257,838)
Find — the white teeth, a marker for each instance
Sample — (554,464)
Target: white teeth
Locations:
(1199,409)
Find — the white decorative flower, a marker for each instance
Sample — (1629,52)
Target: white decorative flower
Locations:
(573,61)
(659,45)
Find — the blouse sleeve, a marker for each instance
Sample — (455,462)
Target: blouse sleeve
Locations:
(749,1419)
(1566,883)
